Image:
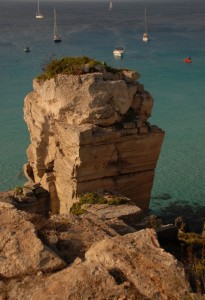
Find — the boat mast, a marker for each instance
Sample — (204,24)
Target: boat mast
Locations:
(110,7)
(38,9)
(55,28)
(145,21)
(56,36)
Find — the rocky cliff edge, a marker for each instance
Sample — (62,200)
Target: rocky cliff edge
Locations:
(70,257)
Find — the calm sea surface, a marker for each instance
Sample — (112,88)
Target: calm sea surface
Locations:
(177,30)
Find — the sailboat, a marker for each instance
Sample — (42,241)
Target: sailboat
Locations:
(56,36)
(38,14)
(110,6)
(145,37)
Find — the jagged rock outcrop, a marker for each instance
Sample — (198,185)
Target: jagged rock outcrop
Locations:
(31,198)
(90,132)
(84,258)
(128,267)
(21,252)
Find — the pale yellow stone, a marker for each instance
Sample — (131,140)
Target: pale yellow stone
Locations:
(76,145)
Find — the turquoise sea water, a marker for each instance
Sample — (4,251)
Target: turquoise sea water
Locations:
(177,30)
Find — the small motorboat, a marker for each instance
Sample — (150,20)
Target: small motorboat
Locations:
(27,49)
(119,51)
(188,60)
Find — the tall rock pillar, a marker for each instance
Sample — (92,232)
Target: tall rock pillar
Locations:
(90,132)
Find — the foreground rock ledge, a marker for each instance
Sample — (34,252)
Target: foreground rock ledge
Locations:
(90,132)
(128,267)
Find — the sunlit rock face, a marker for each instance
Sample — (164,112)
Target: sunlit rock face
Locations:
(90,133)
(132,266)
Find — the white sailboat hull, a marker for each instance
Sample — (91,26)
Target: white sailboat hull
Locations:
(145,38)
(39,16)
(57,39)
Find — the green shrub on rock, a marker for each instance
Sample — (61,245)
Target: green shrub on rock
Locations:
(73,66)
(76,209)
(18,190)
(94,198)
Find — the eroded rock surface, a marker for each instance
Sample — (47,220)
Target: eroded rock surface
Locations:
(21,251)
(90,133)
(128,267)
(31,198)
(82,257)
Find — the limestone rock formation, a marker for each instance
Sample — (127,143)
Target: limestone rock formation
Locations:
(31,198)
(128,267)
(89,132)
(21,252)
(83,258)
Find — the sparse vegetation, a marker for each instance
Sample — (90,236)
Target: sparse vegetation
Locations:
(193,245)
(76,209)
(94,198)
(190,250)
(112,70)
(73,66)
(191,238)
(18,190)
